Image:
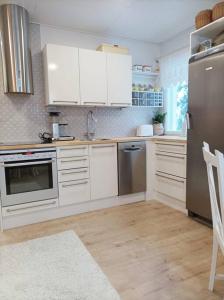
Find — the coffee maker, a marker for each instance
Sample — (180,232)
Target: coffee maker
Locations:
(59,129)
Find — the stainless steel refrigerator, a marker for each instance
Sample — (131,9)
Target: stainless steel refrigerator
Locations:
(206,123)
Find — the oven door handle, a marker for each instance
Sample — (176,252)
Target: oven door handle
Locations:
(29,163)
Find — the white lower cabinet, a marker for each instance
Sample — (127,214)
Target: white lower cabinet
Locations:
(171,186)
(170,170)
(72,192)
(103,171)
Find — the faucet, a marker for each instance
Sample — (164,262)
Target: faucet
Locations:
(91,125)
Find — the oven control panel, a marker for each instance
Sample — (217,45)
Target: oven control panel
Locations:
(28,154)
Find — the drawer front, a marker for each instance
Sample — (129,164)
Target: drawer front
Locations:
(180,148)
(71,151)
(73,192)
(73,174)
(73,163)
(171,186)
(174,164)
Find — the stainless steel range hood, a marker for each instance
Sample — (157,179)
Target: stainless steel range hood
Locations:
(15,49)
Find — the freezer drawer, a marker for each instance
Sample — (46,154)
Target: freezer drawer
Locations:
(131,168)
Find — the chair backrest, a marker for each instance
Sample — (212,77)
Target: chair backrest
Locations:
(216,160)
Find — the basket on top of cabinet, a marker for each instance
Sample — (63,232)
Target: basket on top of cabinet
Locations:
(147,98)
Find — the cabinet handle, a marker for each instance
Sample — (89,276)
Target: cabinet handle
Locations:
(94,102)
(74,148)
(119,103)
(161,154)
(33,206)
(72,184)
(104,146)
(163,176)
(58,101)
(74,172)
(166,144)
(72,160)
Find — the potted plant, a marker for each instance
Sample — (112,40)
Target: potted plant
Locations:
(158,123)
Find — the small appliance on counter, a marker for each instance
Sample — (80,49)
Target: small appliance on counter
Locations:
(58,129)
(145,130)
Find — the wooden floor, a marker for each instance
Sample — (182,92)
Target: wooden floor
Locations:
(147,250)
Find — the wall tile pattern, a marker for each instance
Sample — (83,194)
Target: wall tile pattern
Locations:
(23,117)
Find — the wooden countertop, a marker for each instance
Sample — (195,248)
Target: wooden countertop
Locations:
(165,138)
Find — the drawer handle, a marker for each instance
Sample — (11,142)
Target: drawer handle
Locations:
(74,148)
(33,206)
(72,184)
(180,157)
(104,146)
(74,172)
(72,160)
(165,144)
(181,181)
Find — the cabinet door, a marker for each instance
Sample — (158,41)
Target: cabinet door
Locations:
(103,171)
(61,64)
(93,82)
(119,75)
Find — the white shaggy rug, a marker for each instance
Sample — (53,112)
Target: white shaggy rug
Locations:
(56,267)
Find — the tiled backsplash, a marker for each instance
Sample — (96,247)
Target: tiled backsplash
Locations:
(23,117)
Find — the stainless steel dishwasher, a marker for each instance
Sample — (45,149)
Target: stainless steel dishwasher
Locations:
(131,167)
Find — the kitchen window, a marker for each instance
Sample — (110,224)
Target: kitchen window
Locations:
(174,80)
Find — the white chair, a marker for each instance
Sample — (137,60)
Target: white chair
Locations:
(215,160)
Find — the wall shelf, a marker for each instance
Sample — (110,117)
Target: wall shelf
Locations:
(145,74)
(209,31)
(147,99)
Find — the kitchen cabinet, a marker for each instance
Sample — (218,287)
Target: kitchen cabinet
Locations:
(73,175)
(170,173)
(61,68)
(103,171)
(119,76)
(93,77)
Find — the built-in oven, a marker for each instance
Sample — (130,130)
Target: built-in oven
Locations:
(27,176)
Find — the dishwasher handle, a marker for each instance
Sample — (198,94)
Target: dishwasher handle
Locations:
(132,149)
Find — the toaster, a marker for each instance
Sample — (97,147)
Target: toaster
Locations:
(145,130)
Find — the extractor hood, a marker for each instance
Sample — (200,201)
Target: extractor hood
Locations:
(15,49)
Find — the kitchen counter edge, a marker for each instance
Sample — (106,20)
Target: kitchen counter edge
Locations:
(177,139)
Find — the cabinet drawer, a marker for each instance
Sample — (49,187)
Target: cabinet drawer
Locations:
(73,174)
(174,164)
(72,192)
(73,163)
(171,147)
(171,186)
(71,151)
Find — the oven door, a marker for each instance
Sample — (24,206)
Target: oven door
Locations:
(28,181)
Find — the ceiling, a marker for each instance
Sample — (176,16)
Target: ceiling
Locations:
(147,20)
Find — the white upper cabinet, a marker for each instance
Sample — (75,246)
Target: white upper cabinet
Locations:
(103,171)
(93,77)
(119,75)
(61,64)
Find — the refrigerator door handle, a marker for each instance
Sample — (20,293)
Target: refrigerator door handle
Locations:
(188,115)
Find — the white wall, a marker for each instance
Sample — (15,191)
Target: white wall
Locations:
(142,52)
(178,42)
